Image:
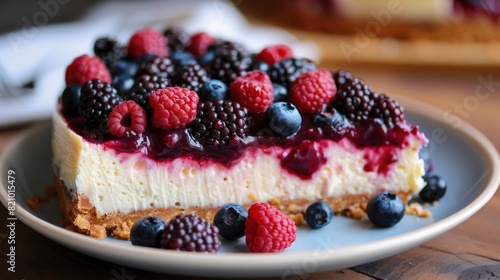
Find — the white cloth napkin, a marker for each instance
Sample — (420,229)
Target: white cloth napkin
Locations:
(42,53)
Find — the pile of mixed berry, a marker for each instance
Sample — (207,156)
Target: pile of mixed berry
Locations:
(168,94)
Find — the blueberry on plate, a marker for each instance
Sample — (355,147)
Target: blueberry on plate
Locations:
(283,118)
(385,209)
(318,214)
(230,220)
(280,93)
(147,232)
(70,100)
(213,89)
(125,68)
(435,188)
(123,84)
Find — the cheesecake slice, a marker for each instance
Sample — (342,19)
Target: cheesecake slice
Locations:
(185,150)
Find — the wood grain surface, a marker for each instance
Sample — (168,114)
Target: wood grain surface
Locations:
(469,251)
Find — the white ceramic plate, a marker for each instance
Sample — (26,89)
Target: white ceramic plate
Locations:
(462,155)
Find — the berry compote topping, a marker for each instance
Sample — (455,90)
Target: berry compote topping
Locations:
(216,120)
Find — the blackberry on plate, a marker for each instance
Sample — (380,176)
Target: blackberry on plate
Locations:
(158,66)
(355,100)
(143,87)
(109,51)
(318,214)
(97,100)
(230,220)
(230,61)
(213,89)
(434,189)
(385,209)
(342,77)
(190,233)
(388,110)
(285,72)
(176,38)
(283,118)
(191,76)
(70,100)
(219,123)
(147,232)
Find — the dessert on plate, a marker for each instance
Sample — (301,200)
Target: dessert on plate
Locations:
(171,124)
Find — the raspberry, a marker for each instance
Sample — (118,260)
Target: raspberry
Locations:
(147,41)
(355,100)
(191,76)
(97,99)
(230,61)
(85,68)
(190,233)
(200,43)
(268,230)
(274,54)
(285,72)
(173,107)
(219,123)
(109,51)
(143,87)
(311,90)
(158,66)
(127,118)
(176,38)
(254,91)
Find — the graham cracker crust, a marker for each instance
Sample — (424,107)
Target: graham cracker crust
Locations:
(81,216)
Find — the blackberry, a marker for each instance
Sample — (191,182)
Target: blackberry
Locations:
(143,87)
(219,123)
(388,110)
(109,51)
(176,38)
(355,100)
(286,71)
(191,76)
(158,66)
(97,100)
(190,233)
(342,78)
(230,61)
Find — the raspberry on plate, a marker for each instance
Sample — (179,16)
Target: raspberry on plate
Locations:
(85,68)
(311,90)
(268,230)
(147,41)
(253,90)
(274,54)
(127,117)
(173,107)
(190,233)
(200,43)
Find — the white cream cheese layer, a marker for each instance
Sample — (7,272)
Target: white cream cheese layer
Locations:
(123,182)
(386,10)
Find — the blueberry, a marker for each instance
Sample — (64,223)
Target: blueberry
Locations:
(145,59)
(280,93)
(318,214)
(230,220)
(213,89)
(123,84)
(385,209)
(147,231)
(70,100)
(425,155)
(125,68)
(259,65)
(435,188)
(182,58)
(283,118)
(206,58)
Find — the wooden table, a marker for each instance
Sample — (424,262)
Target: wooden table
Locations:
(469,251)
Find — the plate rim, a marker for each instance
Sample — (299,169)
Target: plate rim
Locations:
(268,264)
